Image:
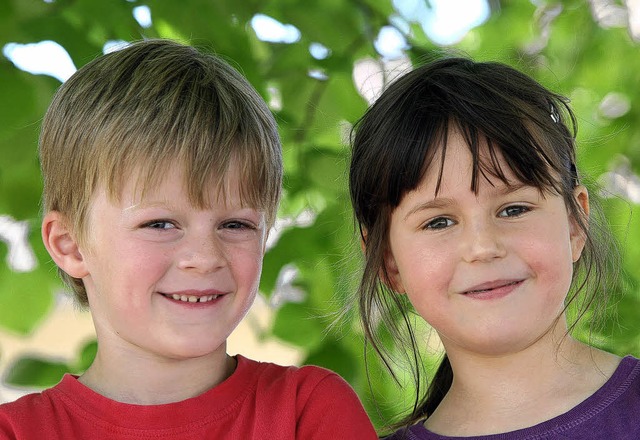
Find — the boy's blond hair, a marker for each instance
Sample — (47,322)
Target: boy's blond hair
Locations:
(143,109)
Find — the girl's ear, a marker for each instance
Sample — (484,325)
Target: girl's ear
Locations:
(578,236)
(61,244)
(390,275)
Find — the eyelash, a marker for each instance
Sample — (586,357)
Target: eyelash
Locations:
(152,224)
(433,224)
(521,210)
(232,225)
(237,224)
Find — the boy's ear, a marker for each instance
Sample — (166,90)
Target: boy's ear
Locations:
(578,237)
(62,245)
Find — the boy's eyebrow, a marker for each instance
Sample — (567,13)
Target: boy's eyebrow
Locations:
(131,207)
(142,205)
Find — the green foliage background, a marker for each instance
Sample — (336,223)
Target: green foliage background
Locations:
(575,56)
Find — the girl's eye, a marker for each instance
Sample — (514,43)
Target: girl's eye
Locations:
(439,223)
(513,211)
(159,224)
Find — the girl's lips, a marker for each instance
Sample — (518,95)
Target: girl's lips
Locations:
(493,289)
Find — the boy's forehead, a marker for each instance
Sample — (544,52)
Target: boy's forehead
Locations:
(171,184)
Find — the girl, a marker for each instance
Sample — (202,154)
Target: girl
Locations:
(465,188)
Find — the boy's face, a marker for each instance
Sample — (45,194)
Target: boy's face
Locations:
(165,278)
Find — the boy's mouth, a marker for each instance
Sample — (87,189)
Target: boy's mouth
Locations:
(190,298)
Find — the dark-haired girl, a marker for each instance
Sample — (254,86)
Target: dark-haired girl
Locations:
(464,183)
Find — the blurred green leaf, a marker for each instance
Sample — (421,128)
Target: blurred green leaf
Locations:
(297,324)
(86,357)
(25,297)
(35,372)
(337,358)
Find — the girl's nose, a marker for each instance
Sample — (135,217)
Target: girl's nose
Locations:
(483,243)
(202,255)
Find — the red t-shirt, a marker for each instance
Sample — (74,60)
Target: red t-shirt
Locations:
(258,401)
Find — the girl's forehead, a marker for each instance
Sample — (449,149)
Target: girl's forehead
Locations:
(457,163)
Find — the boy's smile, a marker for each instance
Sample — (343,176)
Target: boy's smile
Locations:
(165,278)
(489,271)
(193,296)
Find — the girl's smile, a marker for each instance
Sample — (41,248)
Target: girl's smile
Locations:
(493,289)
(488,270)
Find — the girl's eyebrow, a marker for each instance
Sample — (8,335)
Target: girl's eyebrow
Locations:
(511,188)
(431,204)
(439,203)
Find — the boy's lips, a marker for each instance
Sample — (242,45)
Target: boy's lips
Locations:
(193,296)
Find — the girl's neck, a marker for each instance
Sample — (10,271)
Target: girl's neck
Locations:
(150,381)
(504,393)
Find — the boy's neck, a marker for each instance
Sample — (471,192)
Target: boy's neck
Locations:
(500,394)
(146,381)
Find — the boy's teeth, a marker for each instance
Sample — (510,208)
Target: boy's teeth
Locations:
(193,299)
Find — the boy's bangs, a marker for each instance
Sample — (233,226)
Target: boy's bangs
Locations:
(208,142)
(207,175)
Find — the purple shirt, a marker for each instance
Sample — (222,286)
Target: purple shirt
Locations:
(611,413)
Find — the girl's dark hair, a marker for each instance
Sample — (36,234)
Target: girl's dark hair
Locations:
(405,133)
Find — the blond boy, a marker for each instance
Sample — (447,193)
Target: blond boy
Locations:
(162,172)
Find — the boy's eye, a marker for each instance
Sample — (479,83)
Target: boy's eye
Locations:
(513,211)
(439,223)
(159,224)
(236,224)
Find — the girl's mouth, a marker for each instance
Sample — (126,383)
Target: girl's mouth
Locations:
(489,289)
(493,290)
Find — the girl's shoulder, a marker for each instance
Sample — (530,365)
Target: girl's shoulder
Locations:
(611,412)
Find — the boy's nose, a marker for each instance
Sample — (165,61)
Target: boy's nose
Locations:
(483,243)
(203,255)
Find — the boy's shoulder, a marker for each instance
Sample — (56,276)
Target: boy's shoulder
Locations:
(258,400)
(250,375)
(267,376)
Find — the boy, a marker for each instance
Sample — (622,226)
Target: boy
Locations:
(162,172)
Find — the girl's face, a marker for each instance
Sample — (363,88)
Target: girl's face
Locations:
(489,271)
